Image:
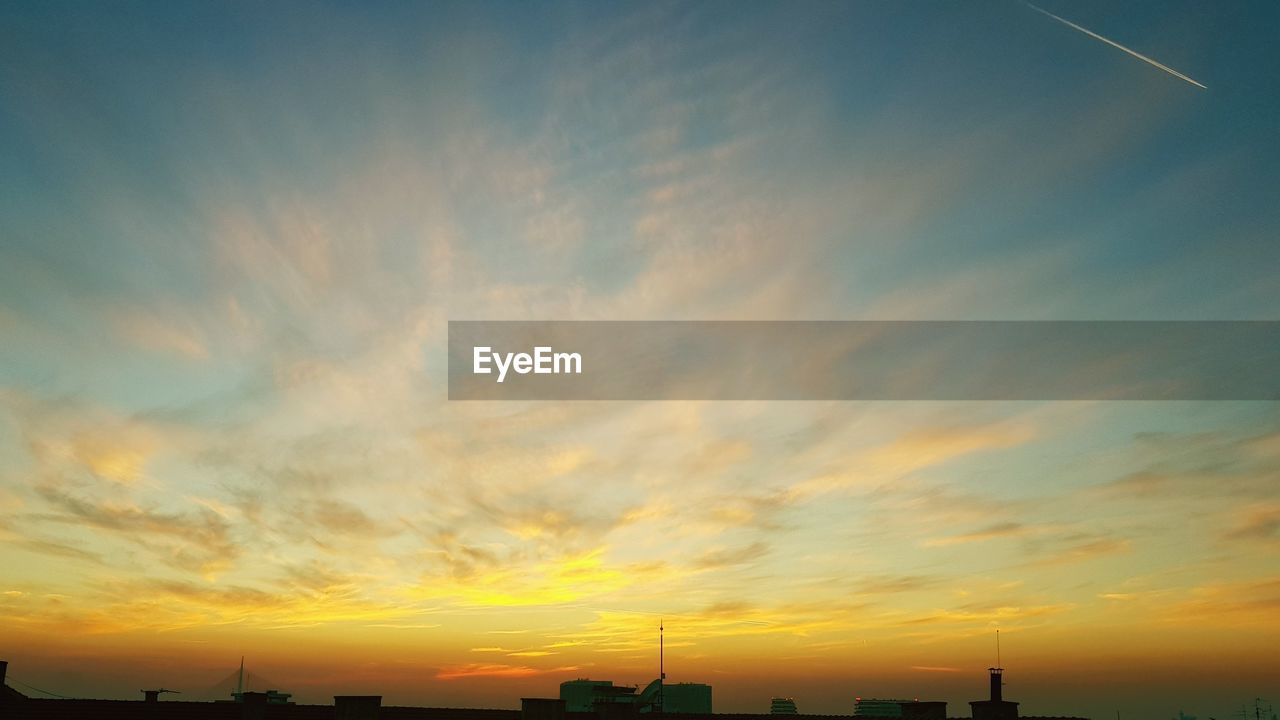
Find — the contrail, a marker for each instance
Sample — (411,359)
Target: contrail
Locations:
(1116,45)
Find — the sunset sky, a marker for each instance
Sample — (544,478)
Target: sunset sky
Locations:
(232,235)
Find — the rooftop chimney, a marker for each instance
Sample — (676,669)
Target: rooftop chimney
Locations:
(4,669)
(997,679)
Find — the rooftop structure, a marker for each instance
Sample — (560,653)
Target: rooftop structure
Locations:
(996,708)
(782,706)
(583,695)
(872,707)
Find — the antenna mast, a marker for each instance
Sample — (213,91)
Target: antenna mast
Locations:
(240,682)
(998,648)
(662,673)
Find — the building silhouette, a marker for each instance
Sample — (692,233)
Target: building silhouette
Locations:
(782,706)
(15,705)
(872,707)
(686,698)
(584,695)
(996,708)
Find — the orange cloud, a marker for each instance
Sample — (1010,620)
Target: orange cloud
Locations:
(457,672)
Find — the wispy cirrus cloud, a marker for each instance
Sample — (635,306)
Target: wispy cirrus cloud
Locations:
(474,670)
(1259,522)
(990,532)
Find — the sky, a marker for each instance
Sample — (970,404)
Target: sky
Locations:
(232,235)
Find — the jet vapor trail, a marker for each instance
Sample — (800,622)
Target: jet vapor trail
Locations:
(1117,45)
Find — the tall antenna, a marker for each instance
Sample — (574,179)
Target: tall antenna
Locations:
(662,672)
(998,648)
(240,682)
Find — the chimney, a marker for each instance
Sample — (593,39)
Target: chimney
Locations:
(997,679)
(4,669)
(150,696)
(357,707)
